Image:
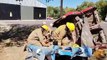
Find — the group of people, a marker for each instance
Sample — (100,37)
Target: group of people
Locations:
(47,42)
(44,36)
(44,39)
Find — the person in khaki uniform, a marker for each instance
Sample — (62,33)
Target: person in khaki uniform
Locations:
(65,34)
(39,37)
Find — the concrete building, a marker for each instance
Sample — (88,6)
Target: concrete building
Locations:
(22,10)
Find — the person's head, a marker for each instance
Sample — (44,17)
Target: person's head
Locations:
(70,26)
(45,29)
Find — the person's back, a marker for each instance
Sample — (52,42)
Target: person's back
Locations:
(59,32)
(35,36)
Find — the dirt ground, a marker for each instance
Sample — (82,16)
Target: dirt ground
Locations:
(17,53)
(12,53)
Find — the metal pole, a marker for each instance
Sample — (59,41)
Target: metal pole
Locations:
(46,9)
(61,8)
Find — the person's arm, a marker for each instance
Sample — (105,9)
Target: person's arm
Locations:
(46,43)
(74,36)
(33,38)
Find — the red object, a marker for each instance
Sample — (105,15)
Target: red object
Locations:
(79,13)
(101,46)
(88,9)
(73,13)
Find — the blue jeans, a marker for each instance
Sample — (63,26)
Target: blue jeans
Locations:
(45,51)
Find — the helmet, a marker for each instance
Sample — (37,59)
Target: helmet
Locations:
(45,27)
(70,26)
(75,46)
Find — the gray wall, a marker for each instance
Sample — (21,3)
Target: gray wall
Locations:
(26,13)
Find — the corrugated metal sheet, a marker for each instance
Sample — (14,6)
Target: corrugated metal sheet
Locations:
(103,26)
(86,35)
(32,3)
(26,13)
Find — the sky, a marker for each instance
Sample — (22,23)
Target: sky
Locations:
(67,3)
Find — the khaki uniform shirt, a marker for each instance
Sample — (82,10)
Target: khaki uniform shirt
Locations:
(35,37)
(60,32)
(60,35)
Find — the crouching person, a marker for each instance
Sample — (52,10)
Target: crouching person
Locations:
(65,34)
(37,39)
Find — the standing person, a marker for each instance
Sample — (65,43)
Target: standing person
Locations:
(39,37)
(65,34)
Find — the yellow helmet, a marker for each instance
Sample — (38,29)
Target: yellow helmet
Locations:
(70,26)
(75,46)
(45,27)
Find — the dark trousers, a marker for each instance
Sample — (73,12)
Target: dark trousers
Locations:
(69,58)
(80,58)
